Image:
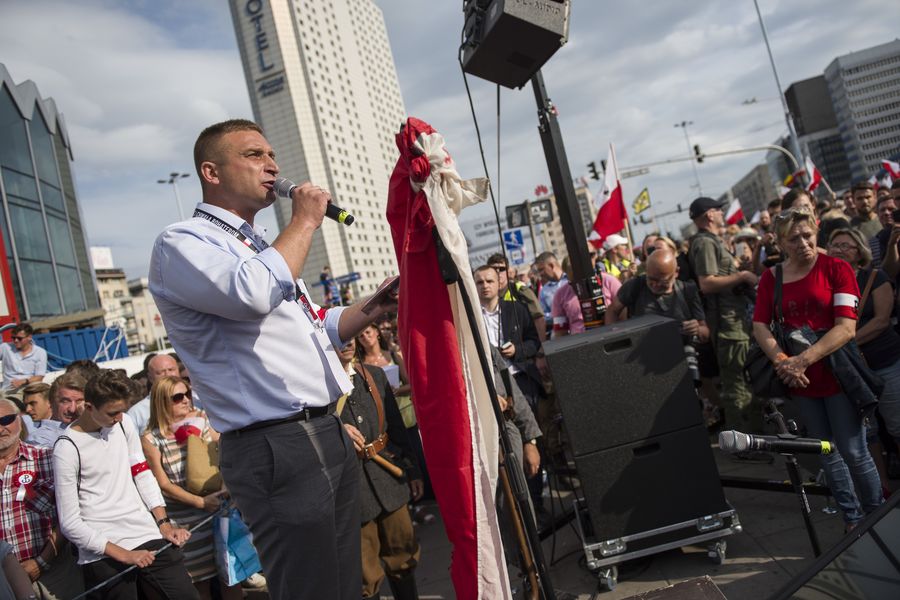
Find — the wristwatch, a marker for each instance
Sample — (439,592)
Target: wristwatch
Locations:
(163,521)
(42,564)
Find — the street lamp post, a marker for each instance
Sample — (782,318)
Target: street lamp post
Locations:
(795,144)
(173,180)
(684,126)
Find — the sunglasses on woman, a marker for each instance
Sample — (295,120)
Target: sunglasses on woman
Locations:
(176,398)
(7,420)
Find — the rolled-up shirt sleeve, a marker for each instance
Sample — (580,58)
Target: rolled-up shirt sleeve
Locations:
(202,273)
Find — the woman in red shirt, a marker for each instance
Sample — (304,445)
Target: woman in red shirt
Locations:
(821,292)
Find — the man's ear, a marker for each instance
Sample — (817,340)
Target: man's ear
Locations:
(209,172)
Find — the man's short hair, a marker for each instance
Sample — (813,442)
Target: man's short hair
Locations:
(776,203)
(792,196)
(23,328)
(108,385)
(483,268)
(206,146)
(494,259)
(83,366)
(70,381)
(38,387)
(882,199)
(544,257)
(862,185)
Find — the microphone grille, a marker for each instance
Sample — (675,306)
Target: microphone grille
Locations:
(734,441)
(283,187)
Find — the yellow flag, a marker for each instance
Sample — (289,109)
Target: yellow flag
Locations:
(642,202)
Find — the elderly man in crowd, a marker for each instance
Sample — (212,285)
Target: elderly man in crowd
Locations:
(28,512)
(161,365)
(67,398)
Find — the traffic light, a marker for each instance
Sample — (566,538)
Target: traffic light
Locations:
(634,220)
(603,164)
(697,153)
(593,168)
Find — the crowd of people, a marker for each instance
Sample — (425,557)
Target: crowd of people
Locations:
(95,464)
(823,258)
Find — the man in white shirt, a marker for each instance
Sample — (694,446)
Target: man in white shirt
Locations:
(109,503)
(262,356)
(23,362)
(161,365)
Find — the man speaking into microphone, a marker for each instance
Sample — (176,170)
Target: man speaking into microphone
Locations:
(262,357)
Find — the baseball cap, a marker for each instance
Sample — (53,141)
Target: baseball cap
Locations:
(703,204)
(614,240)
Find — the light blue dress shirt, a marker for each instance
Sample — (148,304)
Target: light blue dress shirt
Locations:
(548,290)
(44,433)
(232,315)
(16,366)
(140,414)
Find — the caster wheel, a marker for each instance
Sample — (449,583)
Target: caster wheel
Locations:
(717,552)
(609,578)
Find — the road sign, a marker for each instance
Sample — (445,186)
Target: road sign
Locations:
(642,202)
(516,216)
(633,173)
(541,211)
(514,240)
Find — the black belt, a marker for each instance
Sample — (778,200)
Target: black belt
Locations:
(304,415)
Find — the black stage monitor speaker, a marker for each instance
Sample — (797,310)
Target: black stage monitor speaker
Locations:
(652,483)
(622,383)
(507,41)
(864,565)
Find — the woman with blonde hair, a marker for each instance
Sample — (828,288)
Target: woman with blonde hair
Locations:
(820,293)
(172,419)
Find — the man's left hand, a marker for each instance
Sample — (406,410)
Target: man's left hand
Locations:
(176,535)
(416,489)
(31,568)
(691,327)
(18,382)
(532,459)
(508,351)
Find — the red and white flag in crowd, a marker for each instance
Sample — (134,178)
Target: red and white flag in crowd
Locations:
(460,434)
(815,176)
(892,168)
(886,181)
(611,215)
(755,218)
(734,214)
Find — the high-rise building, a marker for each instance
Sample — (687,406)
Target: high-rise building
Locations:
(324,89)
(40,221)
(817,130)
(865,91)
(754,190)
(552,232)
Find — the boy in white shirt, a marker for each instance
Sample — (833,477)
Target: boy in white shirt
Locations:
(109,503)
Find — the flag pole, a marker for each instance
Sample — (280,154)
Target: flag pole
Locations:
(615,165)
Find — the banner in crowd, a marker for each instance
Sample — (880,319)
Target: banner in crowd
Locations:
(460,434)
(611,215)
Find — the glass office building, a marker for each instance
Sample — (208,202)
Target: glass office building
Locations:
(40,222)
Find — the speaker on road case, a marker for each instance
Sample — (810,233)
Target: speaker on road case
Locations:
(507,41)
(651,483)
(622,383)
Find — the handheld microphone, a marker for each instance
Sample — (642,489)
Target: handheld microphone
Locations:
(283,188)
(735,441)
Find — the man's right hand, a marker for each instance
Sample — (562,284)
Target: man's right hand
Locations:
(140,558)
(359,440)
(308,204)
(750,278)
(31,568)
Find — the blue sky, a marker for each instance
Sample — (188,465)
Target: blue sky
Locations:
(138,80)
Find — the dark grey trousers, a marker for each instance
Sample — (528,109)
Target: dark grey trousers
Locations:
(296,485)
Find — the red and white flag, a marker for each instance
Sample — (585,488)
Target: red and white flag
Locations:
(892,168)
(611,215)
(755,218)
(734,214)
(874,181)
(886,181)
(460,434)
(815,176)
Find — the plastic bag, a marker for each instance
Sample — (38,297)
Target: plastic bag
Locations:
(236,557)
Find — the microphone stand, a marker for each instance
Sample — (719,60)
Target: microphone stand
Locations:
(512,477)
(773,415)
